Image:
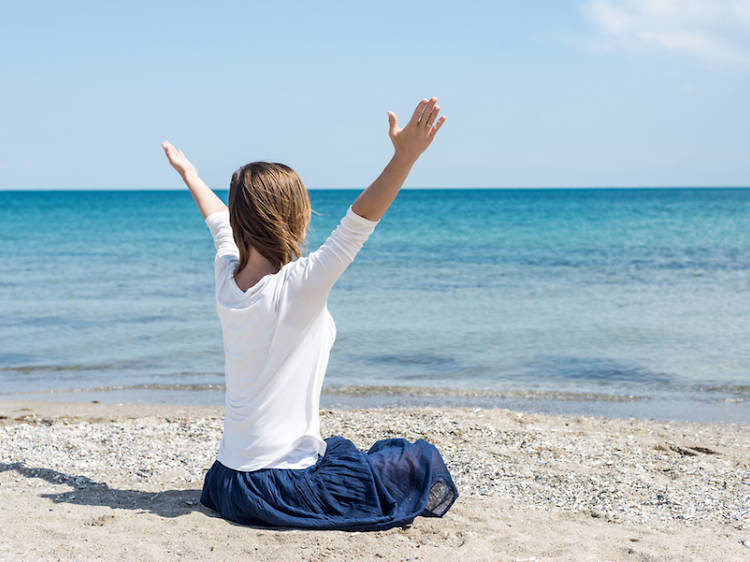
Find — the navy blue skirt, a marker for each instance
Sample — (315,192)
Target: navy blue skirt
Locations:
(346,489)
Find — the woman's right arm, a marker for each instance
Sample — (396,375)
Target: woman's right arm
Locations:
(409,143)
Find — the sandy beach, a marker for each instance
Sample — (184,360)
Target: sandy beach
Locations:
(103,481)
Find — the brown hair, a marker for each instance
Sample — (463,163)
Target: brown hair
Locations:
(269,209)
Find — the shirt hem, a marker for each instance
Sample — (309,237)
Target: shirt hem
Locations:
(274,464)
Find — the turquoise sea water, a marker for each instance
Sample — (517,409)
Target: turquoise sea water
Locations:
(608,301)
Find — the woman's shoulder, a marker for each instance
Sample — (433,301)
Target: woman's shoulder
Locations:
(224,266)
(226,261)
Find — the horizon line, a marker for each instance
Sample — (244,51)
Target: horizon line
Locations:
(471,188)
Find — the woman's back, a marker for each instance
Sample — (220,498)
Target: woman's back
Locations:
(277,340)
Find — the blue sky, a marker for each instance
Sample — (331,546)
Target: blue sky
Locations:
(558,93)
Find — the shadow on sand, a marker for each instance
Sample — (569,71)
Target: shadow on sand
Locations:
(85,491)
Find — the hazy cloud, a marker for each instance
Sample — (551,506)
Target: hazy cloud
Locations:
(717,31)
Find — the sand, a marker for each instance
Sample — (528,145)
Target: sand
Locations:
(104,481)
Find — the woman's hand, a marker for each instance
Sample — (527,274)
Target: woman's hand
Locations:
(178,160)
(413,140)
(409,142)
(208,202)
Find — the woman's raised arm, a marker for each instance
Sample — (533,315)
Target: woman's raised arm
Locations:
(409,143)
(208,202)
(311,277)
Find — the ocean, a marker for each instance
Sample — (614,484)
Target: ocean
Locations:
(613,302)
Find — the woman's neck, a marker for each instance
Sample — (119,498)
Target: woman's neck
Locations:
(256,269)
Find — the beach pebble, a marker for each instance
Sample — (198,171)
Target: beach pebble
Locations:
(746,543)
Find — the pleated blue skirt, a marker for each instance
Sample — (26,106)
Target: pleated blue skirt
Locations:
(346,489)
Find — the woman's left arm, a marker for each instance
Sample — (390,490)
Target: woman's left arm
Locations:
(208,202)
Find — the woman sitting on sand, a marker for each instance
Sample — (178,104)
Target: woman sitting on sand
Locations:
(273,468)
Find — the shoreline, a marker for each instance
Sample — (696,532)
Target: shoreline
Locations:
(108,480)
(705,404)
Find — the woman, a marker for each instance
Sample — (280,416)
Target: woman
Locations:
(273,467)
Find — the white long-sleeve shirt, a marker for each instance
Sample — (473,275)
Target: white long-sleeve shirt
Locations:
(277,339)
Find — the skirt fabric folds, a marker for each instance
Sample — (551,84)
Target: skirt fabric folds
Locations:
(346,489)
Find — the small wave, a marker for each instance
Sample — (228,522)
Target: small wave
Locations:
(371,390)
(61,367)
(422,392)
(119,388)
(739,389)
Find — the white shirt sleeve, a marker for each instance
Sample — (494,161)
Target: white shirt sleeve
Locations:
(227,252)
(221,231)
(311,277)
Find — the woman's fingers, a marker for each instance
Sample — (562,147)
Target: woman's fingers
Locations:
(175,157)
(167,149)
(427,110)
(432,116)
(418,111)
(437,126)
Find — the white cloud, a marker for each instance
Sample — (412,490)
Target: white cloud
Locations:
(714,30)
